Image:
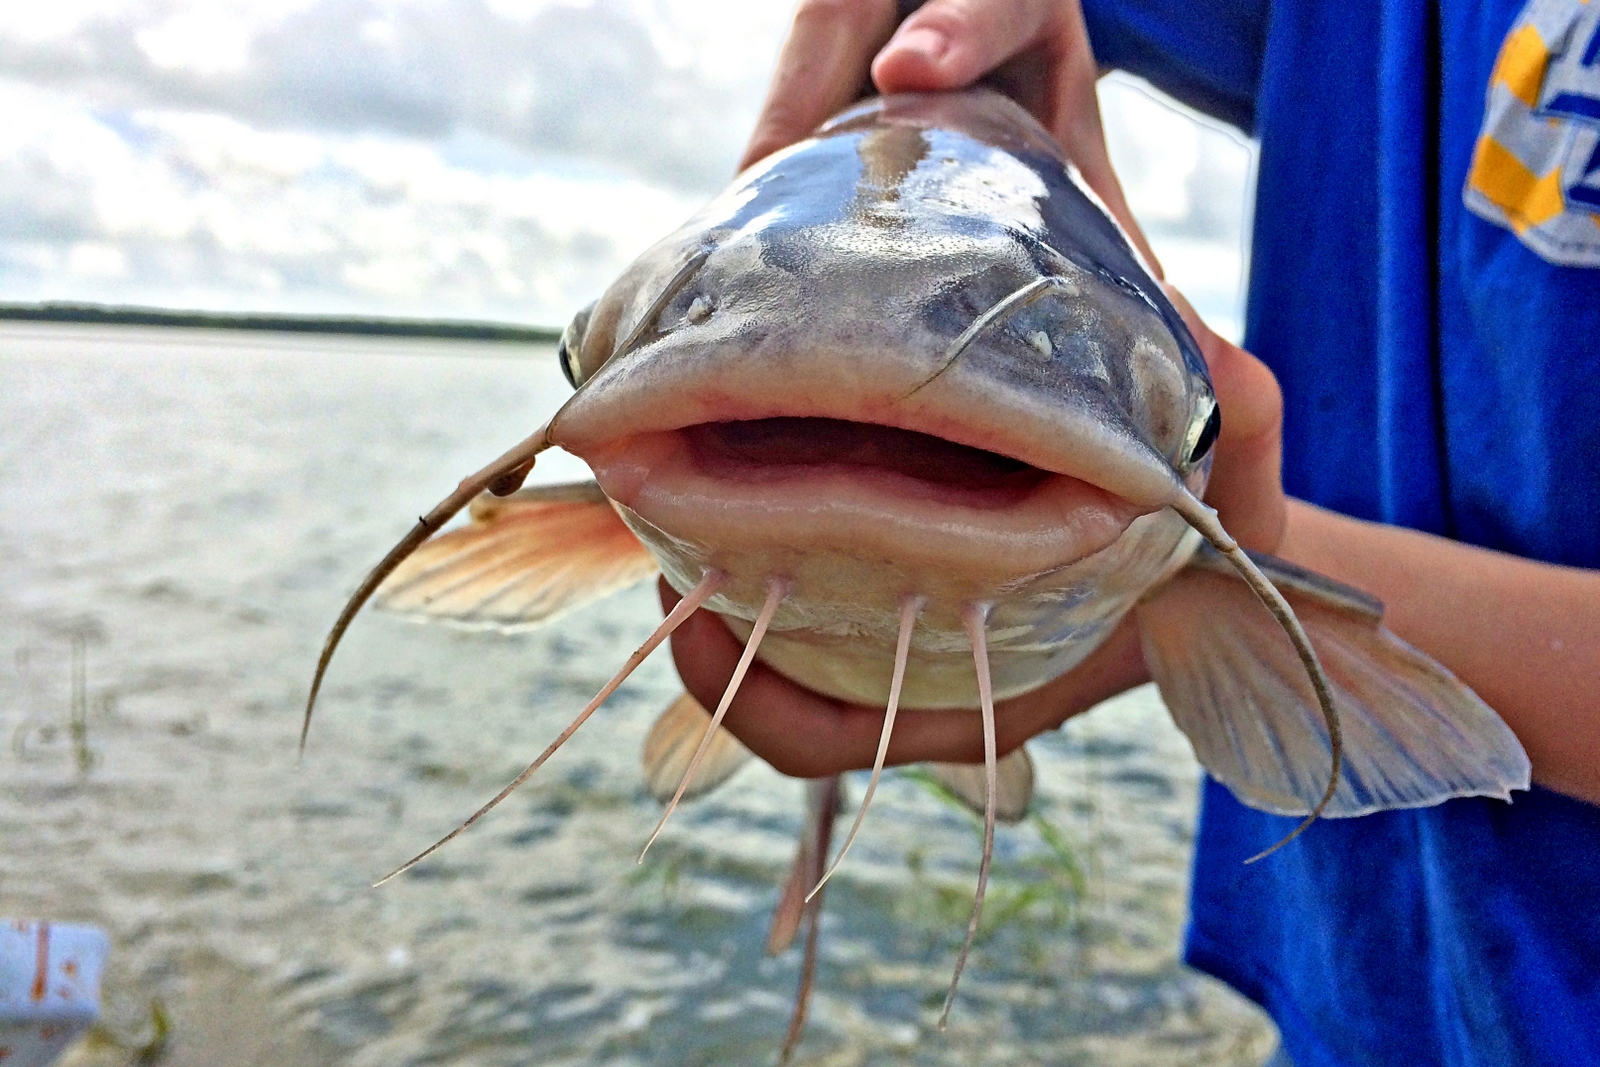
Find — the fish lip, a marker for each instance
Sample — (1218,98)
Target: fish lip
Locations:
(990,536)
(673,385)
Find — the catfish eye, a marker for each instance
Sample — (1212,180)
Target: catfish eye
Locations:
(1207,436)
(564,356)
(571,342)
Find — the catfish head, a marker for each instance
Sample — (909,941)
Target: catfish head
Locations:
(910,357)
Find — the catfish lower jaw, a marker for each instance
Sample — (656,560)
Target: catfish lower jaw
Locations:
(775,487)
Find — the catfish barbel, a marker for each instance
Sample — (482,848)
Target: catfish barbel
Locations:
(906,410)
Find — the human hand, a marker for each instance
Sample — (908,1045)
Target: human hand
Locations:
(1036,51)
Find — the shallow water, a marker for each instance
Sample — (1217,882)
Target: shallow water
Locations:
(187,510)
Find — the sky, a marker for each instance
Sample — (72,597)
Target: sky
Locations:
(481,159)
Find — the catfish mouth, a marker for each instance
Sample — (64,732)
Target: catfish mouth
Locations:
(767,451)
(796,484)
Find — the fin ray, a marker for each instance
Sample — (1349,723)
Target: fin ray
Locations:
(671,744)
(524,561)
(824,797)
(1013,790)
(1414,735)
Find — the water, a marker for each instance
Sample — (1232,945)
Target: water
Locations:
(185,511)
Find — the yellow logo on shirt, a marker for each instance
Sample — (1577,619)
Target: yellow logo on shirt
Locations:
(1536,168)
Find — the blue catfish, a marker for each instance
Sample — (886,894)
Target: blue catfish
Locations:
(905,408)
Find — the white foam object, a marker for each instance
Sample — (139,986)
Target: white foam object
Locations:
(49,988)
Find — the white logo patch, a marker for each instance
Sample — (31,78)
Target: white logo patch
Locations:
(1536,168)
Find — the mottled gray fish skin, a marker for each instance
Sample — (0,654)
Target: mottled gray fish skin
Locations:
(832,280)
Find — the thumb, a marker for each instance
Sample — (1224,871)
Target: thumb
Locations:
(950,44)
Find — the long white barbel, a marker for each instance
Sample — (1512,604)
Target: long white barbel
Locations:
(777,589)
(976,617)
(502,478)
(1204,520)
(1002,309)
(690,603)
(910,608)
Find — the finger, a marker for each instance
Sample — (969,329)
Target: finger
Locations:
(1246,477)
(950,44)
(797,731)
(822,68)
(806,735)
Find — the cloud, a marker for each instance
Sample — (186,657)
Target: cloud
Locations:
(468,158)
(351,155)
(1184,175)
(203,210)
(1189,181)
(587,81)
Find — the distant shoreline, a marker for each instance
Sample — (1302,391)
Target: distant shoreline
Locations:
(116,315)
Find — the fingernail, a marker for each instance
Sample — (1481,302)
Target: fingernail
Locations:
(923,40)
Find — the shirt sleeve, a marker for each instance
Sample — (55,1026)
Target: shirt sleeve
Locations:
(1206,53)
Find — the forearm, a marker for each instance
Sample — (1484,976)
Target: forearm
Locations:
(1524,635)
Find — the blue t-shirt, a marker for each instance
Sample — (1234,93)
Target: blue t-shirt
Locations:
(1426,285)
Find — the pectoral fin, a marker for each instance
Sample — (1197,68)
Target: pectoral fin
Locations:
(1413,734)
(1013,786)
(524,560)
(670,746)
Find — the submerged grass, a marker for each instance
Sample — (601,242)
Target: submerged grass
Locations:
(38,733)
(1045,889)
(145,1047)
